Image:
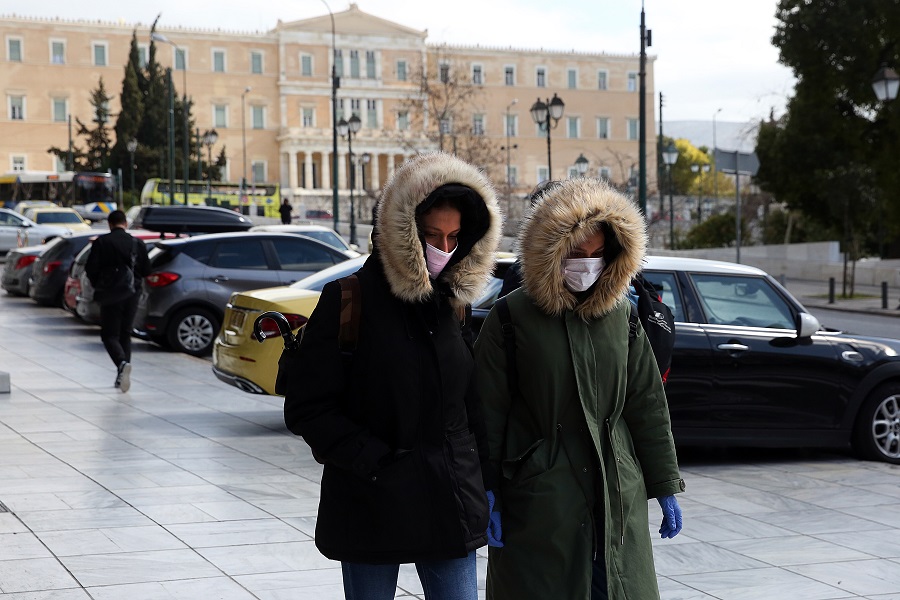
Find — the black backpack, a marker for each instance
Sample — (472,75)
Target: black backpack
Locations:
(655,317)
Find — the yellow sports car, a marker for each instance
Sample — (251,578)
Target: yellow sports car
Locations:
(241,361)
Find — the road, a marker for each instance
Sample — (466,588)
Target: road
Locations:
(858,323)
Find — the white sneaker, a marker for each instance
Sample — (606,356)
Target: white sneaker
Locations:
(123,378)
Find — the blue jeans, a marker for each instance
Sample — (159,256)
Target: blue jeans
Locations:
(453,579)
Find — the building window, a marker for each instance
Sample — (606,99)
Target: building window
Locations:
(306,65)
(370,64)
(572,75)
(602,128)
(58,52)
(59,165)
(220,115)
(445,73)
(17,108)
(60,114)
(259,117)
(14,49)
(509,75)
(100,54)
(632,129)
(354,64)
(256,63)
(632,82)
(258,171)
(18,163)
(573,126)
(512,125)
(180,59)
(339,63)
(218,59)
(401,70)
(604,173)
(542,174)
(573,172)
(513,176)
(309,117)
(602,80)
(477,75)
(540,77)
(478,125)
(371,114)
(446,126)
(142,56)
(403,121)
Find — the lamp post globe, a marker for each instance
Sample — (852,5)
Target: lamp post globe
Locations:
(885,84)
(581,165)
(670,157)
(542,113)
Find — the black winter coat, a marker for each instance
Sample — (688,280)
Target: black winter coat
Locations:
(113,250)
(397,424)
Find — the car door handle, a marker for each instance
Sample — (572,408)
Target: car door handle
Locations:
(733,347)
(219,278)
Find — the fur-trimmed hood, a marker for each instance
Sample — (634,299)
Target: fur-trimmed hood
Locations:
(560,220)
(399,244)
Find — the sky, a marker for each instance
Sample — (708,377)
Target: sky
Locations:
(710,54)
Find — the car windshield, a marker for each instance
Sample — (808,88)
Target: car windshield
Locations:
(328,237)
(319,280)
(57,217)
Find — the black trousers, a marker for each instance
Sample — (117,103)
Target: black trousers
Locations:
(116,322)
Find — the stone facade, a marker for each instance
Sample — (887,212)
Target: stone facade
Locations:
(268,95)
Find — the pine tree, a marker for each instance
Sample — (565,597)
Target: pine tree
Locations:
(97,137)
(130,116)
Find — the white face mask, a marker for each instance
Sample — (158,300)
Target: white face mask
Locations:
(581,273)
(436,259)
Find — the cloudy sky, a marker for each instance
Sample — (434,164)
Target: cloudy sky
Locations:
(711,54)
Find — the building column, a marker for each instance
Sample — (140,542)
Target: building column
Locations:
(308,170)
(325,179)
(292,170)
(342,170)
(372,172)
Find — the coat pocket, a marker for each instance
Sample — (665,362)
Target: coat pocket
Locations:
(465,472)
(512,466)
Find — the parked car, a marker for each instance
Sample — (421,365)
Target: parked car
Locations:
(241,361)
(189,219)
(78,293)
(50,270)
(24,205)
(15,229)
(316,232)
(318,214)
(16,277)
(67,218)
(191,279)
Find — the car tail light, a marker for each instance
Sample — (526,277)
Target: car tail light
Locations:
(24,261)
(270,329)
(51,266)
(162,279)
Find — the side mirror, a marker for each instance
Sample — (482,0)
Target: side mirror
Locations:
(807,325)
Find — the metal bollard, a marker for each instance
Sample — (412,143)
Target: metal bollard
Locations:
(884,294)
(831,290)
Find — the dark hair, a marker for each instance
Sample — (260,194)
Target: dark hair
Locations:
(542,188)
(611,245)
(116,217)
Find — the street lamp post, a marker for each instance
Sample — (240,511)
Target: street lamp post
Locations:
(348,128)
(715,166)
(131,146)
(670,157)
(210,138)
(335,84)
(543,113)
(244,142)
(158,37)
(508,148)
(885,84)
(700,170)
(364,159)
(581,165)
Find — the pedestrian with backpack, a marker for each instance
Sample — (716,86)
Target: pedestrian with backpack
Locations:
(577,422)
(386,399)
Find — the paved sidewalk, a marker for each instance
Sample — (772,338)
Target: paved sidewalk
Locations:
(814,294)
(188,488)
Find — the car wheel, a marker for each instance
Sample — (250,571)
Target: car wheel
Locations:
(193,331)
(877,434)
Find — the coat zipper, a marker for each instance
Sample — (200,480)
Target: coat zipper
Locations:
(618,482)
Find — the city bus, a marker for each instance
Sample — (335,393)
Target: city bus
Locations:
(258,199)
(96,192)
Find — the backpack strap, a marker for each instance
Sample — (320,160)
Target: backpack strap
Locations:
(351,309)
(509,344)
(632,322)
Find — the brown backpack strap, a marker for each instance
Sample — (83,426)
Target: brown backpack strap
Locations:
(351,309)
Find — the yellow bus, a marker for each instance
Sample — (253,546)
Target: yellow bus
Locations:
(259,199)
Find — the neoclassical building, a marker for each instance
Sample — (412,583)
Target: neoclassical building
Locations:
(268,96)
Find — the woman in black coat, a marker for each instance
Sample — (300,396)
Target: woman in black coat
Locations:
(397,422)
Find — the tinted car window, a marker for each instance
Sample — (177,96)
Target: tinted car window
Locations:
(60,217)
(747,301)
(297,255)
(242,254)
(666,285)
(199,251)
(327,237)
(55,249)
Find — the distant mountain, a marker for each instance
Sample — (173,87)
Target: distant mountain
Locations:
(730,135)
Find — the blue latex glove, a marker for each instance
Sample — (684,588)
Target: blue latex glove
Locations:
(671,522)
(494,530)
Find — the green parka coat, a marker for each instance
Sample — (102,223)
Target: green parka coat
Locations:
(590,440)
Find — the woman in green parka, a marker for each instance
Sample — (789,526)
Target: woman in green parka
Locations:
(583,439)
